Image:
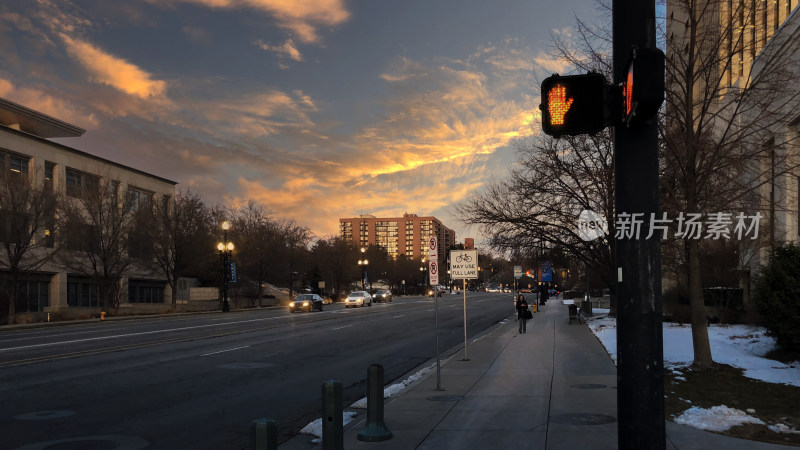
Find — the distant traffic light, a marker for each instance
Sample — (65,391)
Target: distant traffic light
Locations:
(574,104)
(643,89)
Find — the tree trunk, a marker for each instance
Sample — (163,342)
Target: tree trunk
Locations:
(700,343)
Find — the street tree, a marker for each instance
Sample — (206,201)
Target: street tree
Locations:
(94,230)
(177,236)
(27,216)
(718,140)
(258,241)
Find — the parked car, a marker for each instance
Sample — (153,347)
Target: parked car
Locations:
(358,298)
(383,295)
(553,293)
(306,302)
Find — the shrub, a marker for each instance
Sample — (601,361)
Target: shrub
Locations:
(778,296)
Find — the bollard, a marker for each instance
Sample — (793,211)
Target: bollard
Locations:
(102,315)
(48,317)
(375,430)
(332,419)
(263,435)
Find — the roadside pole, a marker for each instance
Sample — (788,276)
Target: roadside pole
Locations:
(640,365)
(464,288)
(433,269)
(464,266)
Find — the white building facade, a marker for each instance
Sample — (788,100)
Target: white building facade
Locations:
(26,148)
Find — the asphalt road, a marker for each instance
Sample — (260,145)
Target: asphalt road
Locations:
(197,381)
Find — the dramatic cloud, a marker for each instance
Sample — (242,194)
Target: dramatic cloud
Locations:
(301,17)
(115,72)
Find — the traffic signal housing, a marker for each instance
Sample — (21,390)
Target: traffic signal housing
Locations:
(574,104)
(643,88)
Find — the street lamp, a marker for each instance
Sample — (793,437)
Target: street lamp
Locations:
(363,264)
(225,249)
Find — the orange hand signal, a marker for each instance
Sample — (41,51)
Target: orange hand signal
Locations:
(558,104)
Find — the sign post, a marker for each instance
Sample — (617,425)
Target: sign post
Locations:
(464,266)
(433,273)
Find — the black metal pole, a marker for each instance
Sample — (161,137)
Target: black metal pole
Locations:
(225,270)
(640,371)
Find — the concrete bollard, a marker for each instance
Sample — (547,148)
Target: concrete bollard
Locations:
(332,417)
(375,430)
(263,435)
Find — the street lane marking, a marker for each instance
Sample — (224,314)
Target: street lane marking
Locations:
(223,351)
(51,344)
(346,326)
(401,315)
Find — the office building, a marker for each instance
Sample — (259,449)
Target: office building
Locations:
(27,151)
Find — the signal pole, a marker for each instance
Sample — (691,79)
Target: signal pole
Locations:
(640,361)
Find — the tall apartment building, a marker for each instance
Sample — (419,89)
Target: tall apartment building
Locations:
(25,150)
(407,235)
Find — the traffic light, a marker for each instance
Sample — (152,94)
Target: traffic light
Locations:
(643,89)
(574,104)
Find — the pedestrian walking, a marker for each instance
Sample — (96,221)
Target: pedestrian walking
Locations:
(522,313)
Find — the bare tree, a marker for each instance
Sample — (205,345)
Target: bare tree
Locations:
(258,241)
(94,229)
(537,208)
(719,120)
(177,233)
(27,215)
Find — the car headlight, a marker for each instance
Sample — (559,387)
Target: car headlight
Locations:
(291,305)
(305,303)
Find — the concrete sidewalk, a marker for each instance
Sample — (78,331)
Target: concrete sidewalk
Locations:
(553,387)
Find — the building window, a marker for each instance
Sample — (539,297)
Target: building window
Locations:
(145,292)
(80,184)
(83,294)
(139,198)
(13,164)
(49,173)
(34,295)
(18,164)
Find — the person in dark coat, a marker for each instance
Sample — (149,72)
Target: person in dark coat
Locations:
(522,309)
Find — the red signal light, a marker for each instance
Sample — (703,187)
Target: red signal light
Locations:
(574,104)
(642,100)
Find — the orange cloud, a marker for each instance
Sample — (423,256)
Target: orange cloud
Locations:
(115,72)
(287,49)
(53,106)
(301,17)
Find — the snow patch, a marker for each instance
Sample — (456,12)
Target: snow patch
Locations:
(716,418)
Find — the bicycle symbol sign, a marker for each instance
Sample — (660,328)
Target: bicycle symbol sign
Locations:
(464,264)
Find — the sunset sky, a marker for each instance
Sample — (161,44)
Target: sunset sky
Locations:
(316,109)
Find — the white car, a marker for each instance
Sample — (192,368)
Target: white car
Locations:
(358,298)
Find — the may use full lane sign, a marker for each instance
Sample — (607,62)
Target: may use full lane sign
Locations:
(464,264)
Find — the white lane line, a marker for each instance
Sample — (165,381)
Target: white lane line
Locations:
(401,315)
(346,326)
(223,351)
(51,344)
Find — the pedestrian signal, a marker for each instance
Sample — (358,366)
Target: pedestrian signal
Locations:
(643,88)
(573,104)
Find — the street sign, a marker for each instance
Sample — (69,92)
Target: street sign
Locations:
(517,271)
(433,248)
(433,272)
(464,264)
